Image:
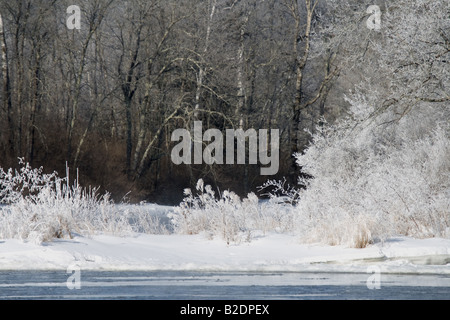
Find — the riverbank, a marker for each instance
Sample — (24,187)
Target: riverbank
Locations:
(268,253)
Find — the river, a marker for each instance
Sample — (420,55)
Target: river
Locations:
(180,285)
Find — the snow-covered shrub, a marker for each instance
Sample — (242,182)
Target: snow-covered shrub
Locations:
(41,207)
(15,185)
(385,170)
(280,191)
(229,217)
(145,219)
(374,178)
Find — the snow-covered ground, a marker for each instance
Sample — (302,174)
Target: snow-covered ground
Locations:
(273,252)
(270,252)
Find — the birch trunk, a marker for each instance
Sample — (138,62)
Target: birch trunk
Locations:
(201,72)
(301,58)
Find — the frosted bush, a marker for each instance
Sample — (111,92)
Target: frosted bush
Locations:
(142,220)
(229,217)
(15,185)
(373,180)
(41,207)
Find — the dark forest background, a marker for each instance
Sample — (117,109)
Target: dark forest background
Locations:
(106,98)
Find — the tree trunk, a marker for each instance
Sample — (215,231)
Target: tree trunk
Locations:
(129,141)
(7,102)
(34,103)
(201,72)
(301,58)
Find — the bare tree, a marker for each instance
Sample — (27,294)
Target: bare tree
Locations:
(95,13)
(304,17)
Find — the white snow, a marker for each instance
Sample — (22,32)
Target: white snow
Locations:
(272,252)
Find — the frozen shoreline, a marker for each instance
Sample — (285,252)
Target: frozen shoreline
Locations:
(273,252)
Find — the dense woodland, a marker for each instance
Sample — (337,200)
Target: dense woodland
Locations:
(105,98)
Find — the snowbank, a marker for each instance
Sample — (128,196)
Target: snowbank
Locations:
(274,252)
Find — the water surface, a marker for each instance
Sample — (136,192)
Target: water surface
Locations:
(174,285)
